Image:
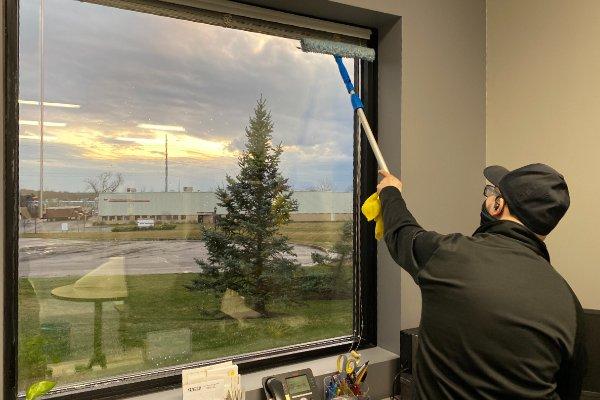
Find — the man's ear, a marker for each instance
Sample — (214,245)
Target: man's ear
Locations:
(498,207)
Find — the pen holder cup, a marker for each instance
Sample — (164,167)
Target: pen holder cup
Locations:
(327,382)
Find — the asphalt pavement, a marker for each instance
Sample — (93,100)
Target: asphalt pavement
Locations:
(61,257)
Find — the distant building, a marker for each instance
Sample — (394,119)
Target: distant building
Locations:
(85,203)
(202,207)
(62,213)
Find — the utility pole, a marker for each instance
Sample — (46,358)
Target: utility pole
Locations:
(166,163)
(41,45)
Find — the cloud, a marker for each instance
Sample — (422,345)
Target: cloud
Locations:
(126,68)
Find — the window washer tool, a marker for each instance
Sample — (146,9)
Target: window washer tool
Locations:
(372,206)
(339,50)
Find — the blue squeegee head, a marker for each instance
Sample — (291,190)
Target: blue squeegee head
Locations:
(345,50)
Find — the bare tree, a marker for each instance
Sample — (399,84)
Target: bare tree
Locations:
(106,182)
(324,186)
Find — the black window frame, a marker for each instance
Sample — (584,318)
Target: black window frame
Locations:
(365,254)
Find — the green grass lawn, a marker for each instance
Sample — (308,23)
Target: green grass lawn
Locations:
(322,234)
(55,336)
(155,305)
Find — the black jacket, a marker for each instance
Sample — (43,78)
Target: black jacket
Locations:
(497,320)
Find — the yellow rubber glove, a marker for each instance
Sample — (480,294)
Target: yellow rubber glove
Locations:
(371,209)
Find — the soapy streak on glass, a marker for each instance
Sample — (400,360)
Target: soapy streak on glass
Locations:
(101,295)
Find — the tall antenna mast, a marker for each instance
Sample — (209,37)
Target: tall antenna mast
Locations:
(166,163)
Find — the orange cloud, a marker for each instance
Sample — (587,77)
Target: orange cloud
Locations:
(131,145)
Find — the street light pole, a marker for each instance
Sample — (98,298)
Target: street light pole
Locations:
(41,44)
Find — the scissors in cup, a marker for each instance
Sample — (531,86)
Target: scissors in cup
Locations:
(345,365)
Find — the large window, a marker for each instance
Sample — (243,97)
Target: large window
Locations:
(186,193)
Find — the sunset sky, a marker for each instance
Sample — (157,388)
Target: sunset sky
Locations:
(137,77)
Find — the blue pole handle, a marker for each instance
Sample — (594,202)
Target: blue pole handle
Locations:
(344,74)
(354,99)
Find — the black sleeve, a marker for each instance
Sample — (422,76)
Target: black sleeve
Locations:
(573,368)
(410,245)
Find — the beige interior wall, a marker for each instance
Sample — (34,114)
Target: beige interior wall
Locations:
(431,127)
(543,105)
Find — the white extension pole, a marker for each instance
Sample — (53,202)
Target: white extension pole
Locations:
(374,146)
(358,106)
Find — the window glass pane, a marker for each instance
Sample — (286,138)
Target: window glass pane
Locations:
(196,199)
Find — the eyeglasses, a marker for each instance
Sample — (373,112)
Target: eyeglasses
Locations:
(491,190)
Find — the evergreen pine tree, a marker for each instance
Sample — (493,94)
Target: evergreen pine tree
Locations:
(339,280)
(246,251)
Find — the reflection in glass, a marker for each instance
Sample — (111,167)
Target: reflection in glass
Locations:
(103,284)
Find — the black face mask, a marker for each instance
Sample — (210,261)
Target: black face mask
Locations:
(486,217)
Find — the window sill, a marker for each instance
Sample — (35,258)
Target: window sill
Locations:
(382,368)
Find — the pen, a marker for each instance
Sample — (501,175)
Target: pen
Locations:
(362,374)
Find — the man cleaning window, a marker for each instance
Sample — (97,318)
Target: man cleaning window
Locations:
(498,321)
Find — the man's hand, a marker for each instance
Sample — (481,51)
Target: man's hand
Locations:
(388,180)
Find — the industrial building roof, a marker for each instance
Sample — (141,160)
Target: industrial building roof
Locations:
(191,203)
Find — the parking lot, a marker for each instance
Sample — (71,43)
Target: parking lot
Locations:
(58,257)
